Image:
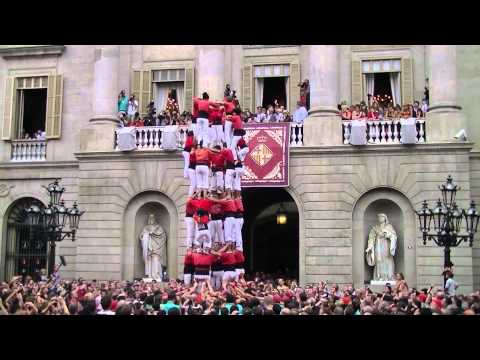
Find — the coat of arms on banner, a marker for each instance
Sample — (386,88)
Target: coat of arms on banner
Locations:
(267,161)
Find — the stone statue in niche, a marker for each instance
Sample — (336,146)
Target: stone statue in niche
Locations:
(154,245)
(381,248)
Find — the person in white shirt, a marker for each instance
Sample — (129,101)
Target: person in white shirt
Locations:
(300,114)
(260,115)
(424,107)
(279,117)
(106,303)
(270,115)
(451,285)
(132,107)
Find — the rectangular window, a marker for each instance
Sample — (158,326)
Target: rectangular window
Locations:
(31,113)
(382,78)
(271,83)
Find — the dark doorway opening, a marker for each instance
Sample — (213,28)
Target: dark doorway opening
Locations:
(382,84)
(275,88)
(34,111)
(270,248)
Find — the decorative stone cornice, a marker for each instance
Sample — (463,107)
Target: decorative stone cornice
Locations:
(10,51)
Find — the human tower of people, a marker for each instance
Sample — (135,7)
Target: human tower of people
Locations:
(214,152)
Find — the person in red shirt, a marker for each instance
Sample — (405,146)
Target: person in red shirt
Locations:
(186,152)
(217,269)
(202,218)
(218,168)
(192,175)
(239,264)
(216,221)
(202,262)
(203,157)
(203,105)
(188,268)
(242,149)
(229,209)
(238,131)
(190,222)
(215,119)
(238,222)
(229,262)
(229,106)
(229,168)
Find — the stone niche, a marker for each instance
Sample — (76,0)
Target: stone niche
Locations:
(136,215)
(162,217)
(401,215)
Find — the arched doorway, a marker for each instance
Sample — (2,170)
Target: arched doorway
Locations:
(26,252)
(270,247)
(136,214)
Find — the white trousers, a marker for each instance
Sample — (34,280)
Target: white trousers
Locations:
(187,279)
(203,239)
(202,130)
(216,231)
(229,175)
(202,172)
(190,225)
(211,181)
(216,279)
(229,275)
(186,163)
(219,135)
(238,233)
(233,146)
(228,132)
(237,181)
(229,225)
(218,180)
(201,277)
(243,153)
(192,176)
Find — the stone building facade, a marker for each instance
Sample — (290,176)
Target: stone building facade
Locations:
(336,187)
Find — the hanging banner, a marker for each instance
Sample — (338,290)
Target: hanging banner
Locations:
(267,161)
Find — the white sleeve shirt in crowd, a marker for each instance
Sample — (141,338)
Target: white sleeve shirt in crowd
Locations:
(300,115)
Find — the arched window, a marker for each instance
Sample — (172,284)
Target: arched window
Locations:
(25,249)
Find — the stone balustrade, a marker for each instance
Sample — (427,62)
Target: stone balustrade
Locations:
(384,131)
(29,150)
(150,137)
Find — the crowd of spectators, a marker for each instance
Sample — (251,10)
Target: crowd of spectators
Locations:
(259,295)
(377,111)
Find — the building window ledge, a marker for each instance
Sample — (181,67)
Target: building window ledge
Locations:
(31,50)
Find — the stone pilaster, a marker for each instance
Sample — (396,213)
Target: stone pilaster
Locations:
(99,134)
(211,71)
(323,125)
(444,118)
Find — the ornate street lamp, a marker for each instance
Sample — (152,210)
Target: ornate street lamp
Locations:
(52,221)
(447,221)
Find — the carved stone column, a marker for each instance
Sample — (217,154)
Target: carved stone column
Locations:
(323,125)
(99,134)
(444,118)
(211,71)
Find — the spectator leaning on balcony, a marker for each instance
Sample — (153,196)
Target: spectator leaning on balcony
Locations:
(300,114)
(122,104)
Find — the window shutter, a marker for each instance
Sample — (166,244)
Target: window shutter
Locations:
(189,86)
(53,127)
(146,87)
(136,82)
(294,88)
(247,92)
(356,82)
(8,114)
(407,81)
